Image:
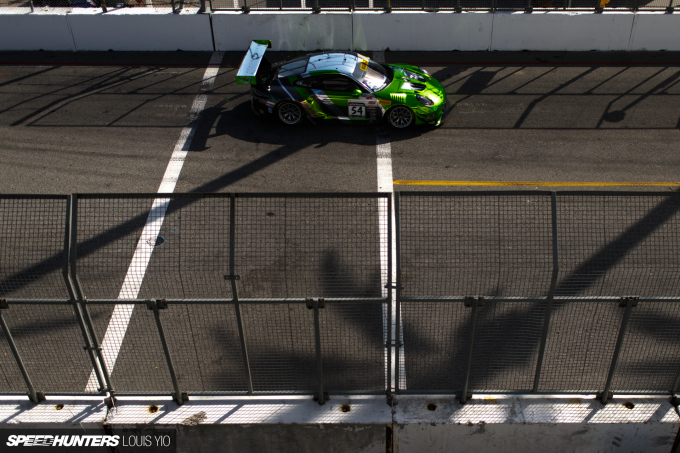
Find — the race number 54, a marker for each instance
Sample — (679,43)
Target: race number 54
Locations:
(357,110)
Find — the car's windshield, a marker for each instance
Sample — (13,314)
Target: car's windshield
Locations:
(377,76)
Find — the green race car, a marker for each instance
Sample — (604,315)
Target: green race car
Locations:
(340,86)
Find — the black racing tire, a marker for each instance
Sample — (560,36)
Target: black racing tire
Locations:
(290,113)
(400,117)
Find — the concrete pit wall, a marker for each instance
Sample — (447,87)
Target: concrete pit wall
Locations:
(142,29)
(366,424)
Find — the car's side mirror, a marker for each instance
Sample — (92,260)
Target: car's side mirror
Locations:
(357,92)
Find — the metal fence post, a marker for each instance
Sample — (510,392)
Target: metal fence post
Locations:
(321,396)
(551,293)
(474,302)
(34,396)
(397,302)
(234,292)
(598,6)
(157,305)
(78,297)
(629,303)
(670,8)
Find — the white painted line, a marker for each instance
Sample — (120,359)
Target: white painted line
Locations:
(120,318)
(384,161)
(385,184)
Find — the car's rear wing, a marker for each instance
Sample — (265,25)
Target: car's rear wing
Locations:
(248,71)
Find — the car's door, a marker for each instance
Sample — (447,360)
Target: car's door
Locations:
(340,96)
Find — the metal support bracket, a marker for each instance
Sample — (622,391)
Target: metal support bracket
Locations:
(310,303)
(601,395)
(4,304)
(183,398)
(322,401)
(459,397)
(161,304)
(232,278)
(628,303)
(321,395)
(624,301)
(110,402)
(156,305)
(471,300)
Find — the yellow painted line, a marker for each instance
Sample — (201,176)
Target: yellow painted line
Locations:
(403,182)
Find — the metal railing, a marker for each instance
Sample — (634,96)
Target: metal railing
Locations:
(242,294)
(354,5)
(448,5)
(176,6)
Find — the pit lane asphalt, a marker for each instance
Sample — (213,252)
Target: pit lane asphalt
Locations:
(74,123)
(107,122)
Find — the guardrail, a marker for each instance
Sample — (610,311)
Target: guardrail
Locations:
(242,294)
(356,5)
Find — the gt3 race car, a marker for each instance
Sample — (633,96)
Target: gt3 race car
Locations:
(344,86)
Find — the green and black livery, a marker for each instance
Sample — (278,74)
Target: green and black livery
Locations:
(341,86)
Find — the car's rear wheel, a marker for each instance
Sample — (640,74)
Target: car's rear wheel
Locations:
(400,117)
(290,113)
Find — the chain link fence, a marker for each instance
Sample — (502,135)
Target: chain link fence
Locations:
(540,292)
(199,294)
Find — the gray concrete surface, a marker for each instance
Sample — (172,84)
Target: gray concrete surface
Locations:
(487,423)
(98,123)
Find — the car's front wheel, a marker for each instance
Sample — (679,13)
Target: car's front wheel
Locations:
(290,113)
(400,117)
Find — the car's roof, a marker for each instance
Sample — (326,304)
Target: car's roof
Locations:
(343,62)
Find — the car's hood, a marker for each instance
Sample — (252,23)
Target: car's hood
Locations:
(423,84)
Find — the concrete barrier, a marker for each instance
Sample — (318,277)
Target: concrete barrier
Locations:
(139,29)
(568,31)
(150,29)
(366,424)
(653,31)
(421,31)
(286,30)
(43,31)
